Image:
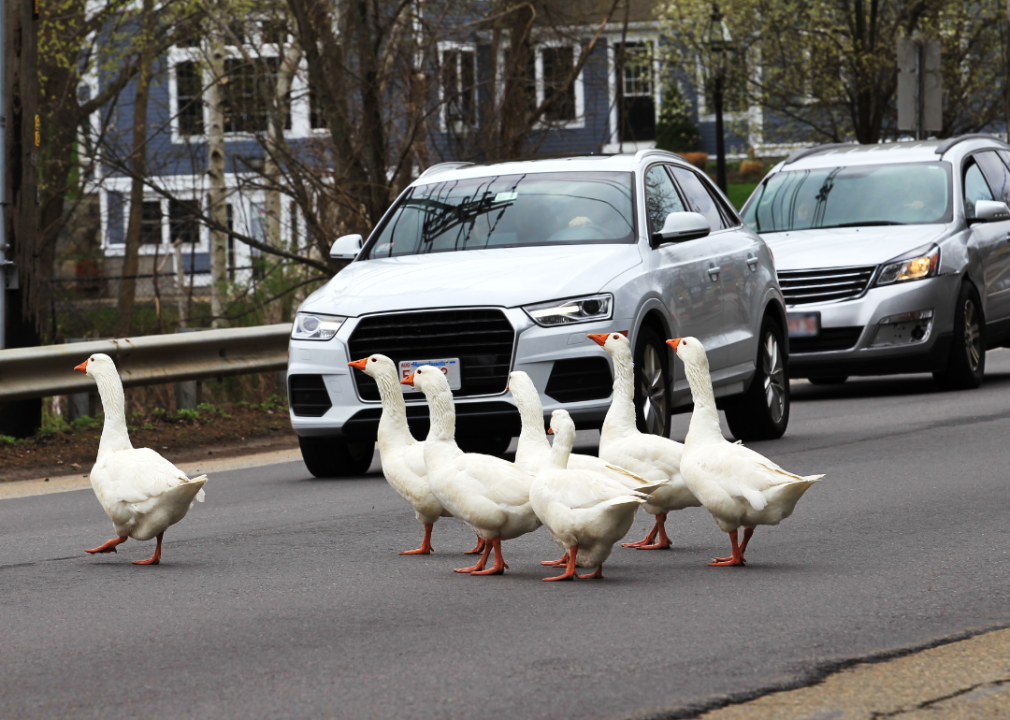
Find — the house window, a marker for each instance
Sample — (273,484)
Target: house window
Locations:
(182,224)
(636,99)
(189,98)
(459,91)
(150,222)
(557,67)
(245,94)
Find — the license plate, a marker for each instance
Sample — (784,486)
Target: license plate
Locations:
(804,324)
(448,366)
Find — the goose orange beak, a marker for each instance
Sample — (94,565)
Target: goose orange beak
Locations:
(83,367)
(359,364)
(409,380)
(598,338)
(673,343)
(550,431)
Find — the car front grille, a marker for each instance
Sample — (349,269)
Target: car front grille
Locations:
(578,379)
(308,395)
(829,339)
(824,285)
(481,338)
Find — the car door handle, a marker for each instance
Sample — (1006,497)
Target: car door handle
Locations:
(752,263)
(713,272)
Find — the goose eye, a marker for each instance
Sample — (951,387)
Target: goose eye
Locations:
(373,359)
(615,337)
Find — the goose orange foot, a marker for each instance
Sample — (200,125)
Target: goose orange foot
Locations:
(499,563)
(556,563)
(663,542)
(648,540)
(426,547)
(569,573)
(480,563)
(477,550)
(596,575)
(109,547)
(736,559)
(156,558)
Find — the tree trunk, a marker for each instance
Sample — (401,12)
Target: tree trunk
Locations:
(138,168)
(215,171)
(515,103)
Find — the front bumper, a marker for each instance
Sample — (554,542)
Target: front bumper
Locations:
(536,351)
(863,315)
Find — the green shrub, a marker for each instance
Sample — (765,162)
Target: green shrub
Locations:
(675,131)
(186,414)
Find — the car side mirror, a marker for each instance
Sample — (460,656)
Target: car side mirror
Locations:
(682,226)
(346,247)
(990,211)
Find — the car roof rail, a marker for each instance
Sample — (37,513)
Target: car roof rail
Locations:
(442,167)
(642,154)
(808,151)
(951,142)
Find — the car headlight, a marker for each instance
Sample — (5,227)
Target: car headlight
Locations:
(919,264)
(313,326)
(576,310)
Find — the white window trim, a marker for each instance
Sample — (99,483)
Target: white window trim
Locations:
(614,144)
(443,47)
(579,121)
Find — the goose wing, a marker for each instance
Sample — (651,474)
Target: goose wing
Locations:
(501,481)
(135,476)
(579,489)
(745,474)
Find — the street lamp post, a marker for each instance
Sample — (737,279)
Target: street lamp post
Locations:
(719,50)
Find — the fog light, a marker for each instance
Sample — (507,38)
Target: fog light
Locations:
(903,329)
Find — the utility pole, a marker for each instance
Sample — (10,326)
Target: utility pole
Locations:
(21,129)
(920,86)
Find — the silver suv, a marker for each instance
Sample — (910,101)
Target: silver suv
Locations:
(893,258)
(488,269)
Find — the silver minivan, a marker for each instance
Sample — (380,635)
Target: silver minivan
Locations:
(894,258)
(485,269)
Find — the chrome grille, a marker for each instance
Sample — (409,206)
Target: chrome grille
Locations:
(482,339)
(824,284)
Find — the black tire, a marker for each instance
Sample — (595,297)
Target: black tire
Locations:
(762,413)
(495,445)
(652,383)
(966,363)
(837,380)
(328,457)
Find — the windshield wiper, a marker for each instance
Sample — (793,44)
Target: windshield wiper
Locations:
(867,223)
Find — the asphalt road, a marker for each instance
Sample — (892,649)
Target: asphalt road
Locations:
(283,596)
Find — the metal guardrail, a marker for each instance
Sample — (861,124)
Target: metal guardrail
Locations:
(149,360)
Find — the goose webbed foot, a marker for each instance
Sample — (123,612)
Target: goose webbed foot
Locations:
(480,563)
(156,558)
(736,558)
(109,547)
(648,540)
(426,547)
(556,563)
(569,573)
(595,575)
(499,563)
(662,542)
(479,549)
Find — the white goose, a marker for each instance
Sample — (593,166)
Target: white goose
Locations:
(402,456)
(141,491)
(650,456)
(737,485)
(490,495)
(585,511)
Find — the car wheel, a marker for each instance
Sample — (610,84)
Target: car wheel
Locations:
(966,363)
(327,457)
(496,445)
(828,380)
(762,413)
(652,384)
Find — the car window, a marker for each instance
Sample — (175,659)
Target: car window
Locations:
(975,189)
(661,197)
(507,211)
(698,197)
(996,173)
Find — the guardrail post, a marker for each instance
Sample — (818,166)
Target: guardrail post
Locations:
(282,382)
(79,404)
(187,392)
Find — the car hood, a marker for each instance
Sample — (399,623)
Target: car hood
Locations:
(504,277)
(847,247)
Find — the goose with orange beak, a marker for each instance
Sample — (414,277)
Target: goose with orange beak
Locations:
(739,487)
(654,458)
(402,456)
(490,495)
(142,492)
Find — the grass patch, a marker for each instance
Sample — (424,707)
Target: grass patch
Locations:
(739,192)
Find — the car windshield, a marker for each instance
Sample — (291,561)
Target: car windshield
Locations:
(507,211)
(858,195)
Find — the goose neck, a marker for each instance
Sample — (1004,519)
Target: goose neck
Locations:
(622,409)
(705,417)
(443,416)
(115,436)
(561,451)
(532,438)
(393,423)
